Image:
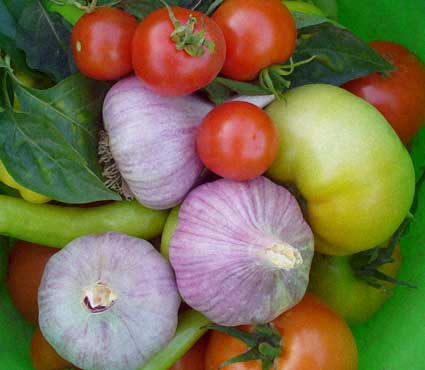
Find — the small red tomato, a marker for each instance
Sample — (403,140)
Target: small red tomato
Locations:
(165,67)
(399,96)
(237,140)
(258,33)
(43,356)
(26,266)
(101,43)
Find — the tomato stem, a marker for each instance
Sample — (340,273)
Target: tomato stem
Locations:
(264,343)
(185,37)
(273,78)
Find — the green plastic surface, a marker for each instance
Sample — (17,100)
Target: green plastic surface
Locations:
(395,338)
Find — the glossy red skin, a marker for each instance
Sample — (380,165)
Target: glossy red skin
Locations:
(237,140)
(43,356)
(314,338)
(194,358)
(166,70)
(400,97)
(26,266)
(105,37)
(258,33)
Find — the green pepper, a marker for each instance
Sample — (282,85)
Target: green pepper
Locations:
(191,327)
(56,226)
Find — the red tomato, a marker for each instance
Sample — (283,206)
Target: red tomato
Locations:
(101,43)
(26,266)
(167,70)
(258,33)
(237,140)
(194,358)
(400,97)
(314,338)
(43,356)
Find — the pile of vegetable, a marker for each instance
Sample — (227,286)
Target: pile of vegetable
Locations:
(201,184)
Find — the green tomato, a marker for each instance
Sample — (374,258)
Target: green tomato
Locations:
(333,279)
(302,7)
(167,233)
(352,171)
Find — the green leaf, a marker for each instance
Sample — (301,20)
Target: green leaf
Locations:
(37,155)
(329,7)
(45,38)
(7,22)
(340,56)
(304,20)
(141,8)
(221,89)
(74,105)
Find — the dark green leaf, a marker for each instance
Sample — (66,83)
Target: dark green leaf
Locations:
(7,22)
(4,252)
(340,56)
(217,92)
(36,154)
(16,7)
(141,8)
(222,88)
(6,190)
(45,38)
(74,105)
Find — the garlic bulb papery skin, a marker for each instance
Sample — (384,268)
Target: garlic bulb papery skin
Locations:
(241,251)
(108,302)
(152,140)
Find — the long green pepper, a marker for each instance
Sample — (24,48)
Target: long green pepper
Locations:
(56,226)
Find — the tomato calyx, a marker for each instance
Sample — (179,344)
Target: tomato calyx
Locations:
(185,37)
(366,264)
(264,343)
(273,78)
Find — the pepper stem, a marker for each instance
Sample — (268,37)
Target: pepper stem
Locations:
(264,343)
(185,37)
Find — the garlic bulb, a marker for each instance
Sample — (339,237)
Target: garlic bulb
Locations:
(152,140)
(108,302)
(241,251)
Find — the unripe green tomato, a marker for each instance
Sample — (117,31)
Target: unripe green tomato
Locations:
(348,164)
(302,7)
(333,279)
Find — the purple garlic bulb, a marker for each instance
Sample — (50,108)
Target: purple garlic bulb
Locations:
(108,302)
(241,251)
(152,140)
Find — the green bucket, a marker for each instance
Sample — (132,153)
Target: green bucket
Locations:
(395,338)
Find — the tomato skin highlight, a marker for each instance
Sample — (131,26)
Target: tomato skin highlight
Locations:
(101,43)
(166,70)
(314,338)
(26,266)
(258,33)
(400,97)
(237,140)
